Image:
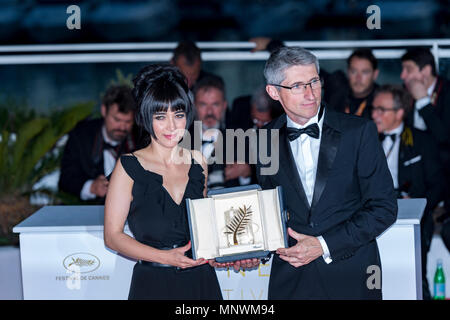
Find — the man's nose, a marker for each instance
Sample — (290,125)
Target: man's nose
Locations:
(403,75)
(209,110)
(358,77)
(123,126)
(309,92)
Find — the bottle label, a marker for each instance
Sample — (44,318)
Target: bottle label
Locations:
(439,290)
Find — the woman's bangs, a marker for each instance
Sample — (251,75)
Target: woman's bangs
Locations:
(171,98)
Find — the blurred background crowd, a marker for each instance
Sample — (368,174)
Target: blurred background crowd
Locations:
(63,125)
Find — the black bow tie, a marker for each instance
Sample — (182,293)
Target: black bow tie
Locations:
(312,130)
(108,146)
(383,136)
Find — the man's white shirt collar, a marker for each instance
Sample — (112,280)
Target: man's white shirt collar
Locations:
(293,124)
(396,131)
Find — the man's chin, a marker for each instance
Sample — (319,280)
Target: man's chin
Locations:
(360,91)
(212,124)
(119,137)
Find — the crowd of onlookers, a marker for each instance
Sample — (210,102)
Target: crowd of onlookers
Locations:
(413,121)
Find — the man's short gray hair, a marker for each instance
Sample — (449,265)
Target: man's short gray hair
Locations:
(284,58)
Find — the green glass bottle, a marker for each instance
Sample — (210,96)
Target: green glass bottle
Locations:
(439,282)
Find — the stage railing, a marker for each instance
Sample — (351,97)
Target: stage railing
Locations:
(211,51)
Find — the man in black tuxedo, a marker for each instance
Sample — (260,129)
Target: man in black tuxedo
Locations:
(431,112)
(211,105)
(413,160)
(94,146)
(337,187)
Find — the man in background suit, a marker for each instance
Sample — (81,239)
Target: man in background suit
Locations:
(413,160)
(357,91)
(94,146)
(431,112)
(211,105)
(337,187)
(362,72)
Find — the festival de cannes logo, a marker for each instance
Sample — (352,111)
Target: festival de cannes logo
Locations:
(81,262)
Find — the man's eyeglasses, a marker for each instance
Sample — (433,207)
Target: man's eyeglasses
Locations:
(382,110)
(299,88)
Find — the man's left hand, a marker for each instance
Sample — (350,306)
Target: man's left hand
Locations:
(307,249)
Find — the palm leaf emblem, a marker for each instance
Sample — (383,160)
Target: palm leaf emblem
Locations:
(240,220)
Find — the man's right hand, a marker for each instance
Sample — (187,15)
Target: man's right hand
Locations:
(99,186)
(260,43)
(416,88)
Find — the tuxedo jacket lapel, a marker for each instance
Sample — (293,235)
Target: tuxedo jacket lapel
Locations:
(327,153)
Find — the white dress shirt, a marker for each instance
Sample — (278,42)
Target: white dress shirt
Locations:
(305,151)
(391,150)
(419,123)
(109,162)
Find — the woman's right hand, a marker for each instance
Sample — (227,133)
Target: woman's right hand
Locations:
(175,257)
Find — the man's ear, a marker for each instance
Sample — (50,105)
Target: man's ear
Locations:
(273,92)
(426,71)
(103,110)
(375,74)
(400,114)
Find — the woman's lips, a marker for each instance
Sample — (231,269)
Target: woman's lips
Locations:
(170,136)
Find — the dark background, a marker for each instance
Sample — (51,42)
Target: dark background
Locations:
(39,21)
(53,86)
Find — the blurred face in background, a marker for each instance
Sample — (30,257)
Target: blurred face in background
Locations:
(210,105)
(260,118)
(385,116)
(117,124)
(412,72)
(361,76)
(190,71)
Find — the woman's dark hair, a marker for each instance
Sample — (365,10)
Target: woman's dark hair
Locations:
(158,87)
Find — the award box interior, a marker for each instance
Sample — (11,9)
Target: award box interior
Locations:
(237,223)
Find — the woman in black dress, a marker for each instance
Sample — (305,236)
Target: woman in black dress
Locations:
(148,189)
